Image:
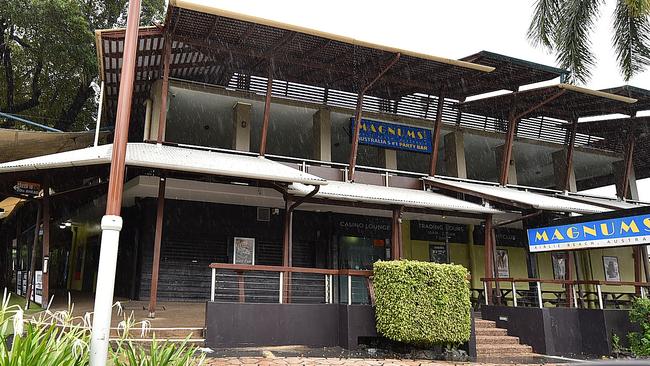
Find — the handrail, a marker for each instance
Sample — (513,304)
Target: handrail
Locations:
(262,268)
(567,282)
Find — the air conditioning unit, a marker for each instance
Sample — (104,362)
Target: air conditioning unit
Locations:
(263,214)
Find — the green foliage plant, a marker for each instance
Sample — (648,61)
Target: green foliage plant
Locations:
(640,314)
(59,338)
(422,303)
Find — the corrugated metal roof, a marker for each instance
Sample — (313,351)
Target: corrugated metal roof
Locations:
(357,192)
(515,196)
(614,204)
(171,158)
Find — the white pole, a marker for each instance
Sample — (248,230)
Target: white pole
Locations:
(111,226)
(575,295)
(327,288)
(539,295)
(147,120)
(600,296)
(213,284)
(514,294)
(280,292)
(99,113)
(331,290)
(349,290)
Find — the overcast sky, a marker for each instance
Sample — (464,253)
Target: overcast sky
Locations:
(451,29)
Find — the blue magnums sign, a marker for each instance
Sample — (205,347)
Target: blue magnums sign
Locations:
(393,136)
(613,232)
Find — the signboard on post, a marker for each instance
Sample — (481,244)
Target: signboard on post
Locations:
(603,233)
(27,188)
(393,136)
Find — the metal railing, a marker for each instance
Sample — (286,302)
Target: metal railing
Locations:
(535,292)
(278,284)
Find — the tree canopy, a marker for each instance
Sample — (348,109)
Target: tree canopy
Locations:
(564,27)
(48,59)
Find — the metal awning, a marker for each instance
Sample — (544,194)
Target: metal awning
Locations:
(8,205)
(561,101)
(515,197)
(614,204)
(358,192)
(171,158)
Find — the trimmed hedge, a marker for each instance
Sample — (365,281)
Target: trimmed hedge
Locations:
(422,303)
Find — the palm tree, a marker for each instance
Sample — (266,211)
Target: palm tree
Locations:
(564,27)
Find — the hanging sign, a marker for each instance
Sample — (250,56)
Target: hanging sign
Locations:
(27,188)
(614,232)
(244,251)
(393,136)
(439,232)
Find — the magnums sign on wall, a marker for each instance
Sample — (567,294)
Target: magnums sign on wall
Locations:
(393,136)
(610,232)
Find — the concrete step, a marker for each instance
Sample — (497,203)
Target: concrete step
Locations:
(503,349)
(161,333)
(491,332)
(146,342)
(499,339)
(512,359)
(480,323)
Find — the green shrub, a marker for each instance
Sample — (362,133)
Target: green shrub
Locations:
(422,303)
(640,314)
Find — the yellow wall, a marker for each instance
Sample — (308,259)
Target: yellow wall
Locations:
(77,253)
(625,266)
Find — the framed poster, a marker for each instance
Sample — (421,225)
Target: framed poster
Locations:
(38,287)
(611,269)
(503,269)
(559,265)
(437,253)
(243,251)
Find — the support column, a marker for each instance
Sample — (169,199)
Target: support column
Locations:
(46,245)
(455,154)
(111,223)
(32,266)
(560,167)
(437,127)
(488,259)
(267,108)
(155,265)
(162,120)
(511,169)
(241,119)
(619,171)
(287,249)
(322,135)
(569,277)
(396,234)
(389,158)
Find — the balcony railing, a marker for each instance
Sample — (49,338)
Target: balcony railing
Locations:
(278,284)
(535,292)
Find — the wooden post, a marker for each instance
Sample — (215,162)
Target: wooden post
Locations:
(32,266)
(629,154)
(569,276)
(155,266)
(488,257)
(267,108)
(162,119)
(396,234)
(46,244)
(569,154)
(437,127)
(287,250)
(507,151)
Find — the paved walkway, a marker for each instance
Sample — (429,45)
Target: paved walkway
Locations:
(331,361)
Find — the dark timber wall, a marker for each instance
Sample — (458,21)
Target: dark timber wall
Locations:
(320,325)
(196,234)
(563,331)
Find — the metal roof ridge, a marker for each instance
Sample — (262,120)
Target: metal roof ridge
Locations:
(520,61)
(206,7)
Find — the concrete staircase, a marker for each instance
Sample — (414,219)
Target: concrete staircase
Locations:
(193,336)
(496,346)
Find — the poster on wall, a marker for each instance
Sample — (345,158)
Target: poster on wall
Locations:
(503,270)
(438,253)
(24,283)
(559,266)
(244,251)
(38,287)
(19,283)
(611,269)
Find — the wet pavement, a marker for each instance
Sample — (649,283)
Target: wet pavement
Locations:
(332,361)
